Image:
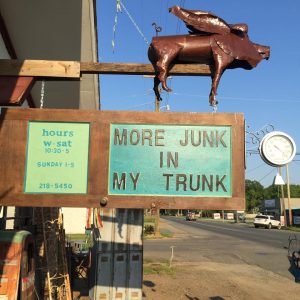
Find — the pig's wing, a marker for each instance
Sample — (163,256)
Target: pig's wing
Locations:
(201,22)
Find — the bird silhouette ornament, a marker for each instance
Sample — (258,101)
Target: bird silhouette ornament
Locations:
(210,41)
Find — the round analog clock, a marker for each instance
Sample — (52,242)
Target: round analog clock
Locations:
(277,148)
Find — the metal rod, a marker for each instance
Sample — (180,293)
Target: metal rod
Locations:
(282,198)
(157,217)
(289,195)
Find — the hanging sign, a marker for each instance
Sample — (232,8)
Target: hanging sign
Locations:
(122,159)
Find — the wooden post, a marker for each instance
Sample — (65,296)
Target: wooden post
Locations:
(157,102)
(282,204)
(289,195)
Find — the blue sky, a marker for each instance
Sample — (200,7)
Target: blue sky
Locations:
(268,94)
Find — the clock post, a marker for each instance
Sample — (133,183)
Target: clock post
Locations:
(278,149)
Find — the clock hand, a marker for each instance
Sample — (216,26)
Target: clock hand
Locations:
(275,146)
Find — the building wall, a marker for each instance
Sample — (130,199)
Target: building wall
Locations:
(294,202)
(55,30)
(74,220)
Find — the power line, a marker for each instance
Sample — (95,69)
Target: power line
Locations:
(266,175)
(296,100)
(255,168)
(134,23)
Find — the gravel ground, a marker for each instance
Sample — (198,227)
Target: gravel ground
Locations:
(217,281)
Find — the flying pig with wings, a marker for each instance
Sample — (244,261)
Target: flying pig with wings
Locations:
(210,41)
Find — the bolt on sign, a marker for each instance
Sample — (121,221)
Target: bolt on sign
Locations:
(122,159)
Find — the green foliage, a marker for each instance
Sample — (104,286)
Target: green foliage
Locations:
(148,229)
(254,194)
(295,190)
(274,191)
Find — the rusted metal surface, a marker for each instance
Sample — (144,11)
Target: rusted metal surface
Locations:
(211,41)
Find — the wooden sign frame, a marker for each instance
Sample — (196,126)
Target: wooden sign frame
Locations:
(13,140)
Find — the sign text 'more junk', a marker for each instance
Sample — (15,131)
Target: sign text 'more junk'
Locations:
(170,160)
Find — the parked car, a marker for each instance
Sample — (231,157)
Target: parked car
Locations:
(190,216)
(266,221)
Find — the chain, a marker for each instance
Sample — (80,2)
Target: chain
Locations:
(118,9)
(134,23)
(42,94)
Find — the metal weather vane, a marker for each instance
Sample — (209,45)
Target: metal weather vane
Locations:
(255,137)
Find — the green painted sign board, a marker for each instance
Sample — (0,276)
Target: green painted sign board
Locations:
(57,158)
(170,160)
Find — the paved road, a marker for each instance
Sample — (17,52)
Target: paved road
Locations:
(225,243)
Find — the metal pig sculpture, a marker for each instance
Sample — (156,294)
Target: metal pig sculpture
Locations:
(211,41)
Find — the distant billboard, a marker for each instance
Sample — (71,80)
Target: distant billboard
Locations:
(270,203)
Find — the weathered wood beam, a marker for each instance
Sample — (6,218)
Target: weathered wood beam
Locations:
(74,69)
(39,68)
(142,69)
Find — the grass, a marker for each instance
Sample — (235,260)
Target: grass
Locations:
(149,219)
(293,228)
(158,267)
(76,237)
(162,235)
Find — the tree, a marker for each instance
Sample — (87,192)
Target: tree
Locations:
(274,191)
(295,190)
(254,194)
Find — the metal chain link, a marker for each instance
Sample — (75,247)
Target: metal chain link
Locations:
(134,23)
(42,94)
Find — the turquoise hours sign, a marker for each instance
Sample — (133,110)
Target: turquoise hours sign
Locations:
(170,160)
(57,158)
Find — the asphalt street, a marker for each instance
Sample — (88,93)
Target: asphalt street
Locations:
(222,242)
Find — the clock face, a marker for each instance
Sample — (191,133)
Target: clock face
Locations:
(277,148)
